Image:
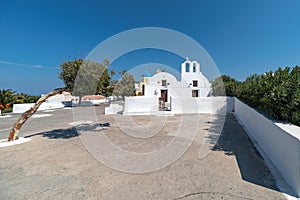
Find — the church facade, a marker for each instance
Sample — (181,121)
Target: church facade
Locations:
(162,92)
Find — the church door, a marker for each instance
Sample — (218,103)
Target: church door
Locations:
(164,95)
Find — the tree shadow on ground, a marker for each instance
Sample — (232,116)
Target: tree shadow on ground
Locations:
(233,141)
(71,132)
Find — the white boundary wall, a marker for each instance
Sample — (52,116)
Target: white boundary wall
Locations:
(279,146)
(141,105)
(20,108)
(51,103)
(202,105)
(113,109)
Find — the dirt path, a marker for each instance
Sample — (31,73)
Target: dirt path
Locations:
(56,165)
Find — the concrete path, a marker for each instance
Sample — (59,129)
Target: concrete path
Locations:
(55,164)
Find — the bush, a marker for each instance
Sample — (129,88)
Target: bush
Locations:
(276,93)
(8,97)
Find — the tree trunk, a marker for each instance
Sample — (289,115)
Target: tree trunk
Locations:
(26,115)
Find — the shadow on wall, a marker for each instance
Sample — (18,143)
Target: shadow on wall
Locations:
(71,132)
(233,141)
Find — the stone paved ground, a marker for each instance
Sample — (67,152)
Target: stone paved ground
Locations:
(56,165)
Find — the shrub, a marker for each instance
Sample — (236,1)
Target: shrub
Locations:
(276,93)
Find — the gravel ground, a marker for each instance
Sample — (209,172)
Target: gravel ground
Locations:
(55,164)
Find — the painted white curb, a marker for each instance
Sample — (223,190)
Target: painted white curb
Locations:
(5,143)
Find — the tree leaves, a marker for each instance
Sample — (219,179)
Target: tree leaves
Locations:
(276,93)
(9,97)
(124,87)
(86,77)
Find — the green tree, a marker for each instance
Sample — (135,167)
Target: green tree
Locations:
(69,71)
(230,85)
(7,98)
(277,93)
(13,134)
(32,99)
(294,104)
(21,98)
(123,72)
(86,77)
(218,87)
(25,98)
(124,87)
(104,83)
(224,85)
(112,73)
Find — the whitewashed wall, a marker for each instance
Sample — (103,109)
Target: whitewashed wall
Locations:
(177,89)
(51,103)
(203,105)
(20,108)
(282,148)
(113,109)
(140,105)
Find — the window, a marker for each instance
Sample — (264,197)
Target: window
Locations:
(194,67)
(187,67)
(143,90)
(195,93)
(163,82)
(195,83)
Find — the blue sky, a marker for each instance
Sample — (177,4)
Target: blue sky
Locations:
(243,37)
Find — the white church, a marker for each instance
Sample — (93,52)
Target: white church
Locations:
(163,94)
(164,85)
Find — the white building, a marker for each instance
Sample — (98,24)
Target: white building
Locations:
(192,84)
(164,94)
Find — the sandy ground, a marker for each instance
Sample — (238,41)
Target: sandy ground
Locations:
(56,165)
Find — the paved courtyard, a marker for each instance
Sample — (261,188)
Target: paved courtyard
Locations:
(56,164)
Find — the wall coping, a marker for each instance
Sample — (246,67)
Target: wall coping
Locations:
(289,128)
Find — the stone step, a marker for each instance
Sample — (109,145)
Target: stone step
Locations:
(165,113)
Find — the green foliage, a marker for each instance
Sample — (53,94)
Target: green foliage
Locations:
(276,93)
(104,83)
(69,71)
(124,87)
(224,85)
(218,88)
(9,97)
(25,98)
(32,99)
(6,99)
(112,73)
(87,78)
(90,77)
(7,110)
(123,72)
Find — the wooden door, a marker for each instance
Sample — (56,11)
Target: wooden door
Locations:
(164,95)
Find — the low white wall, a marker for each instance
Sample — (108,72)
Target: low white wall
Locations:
(280,147)
(113,109)
(20,108)
(140,105)
(230,103)
(56,99)
(50,103)
(202,105)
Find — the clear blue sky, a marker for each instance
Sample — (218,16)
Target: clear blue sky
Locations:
(243,37)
